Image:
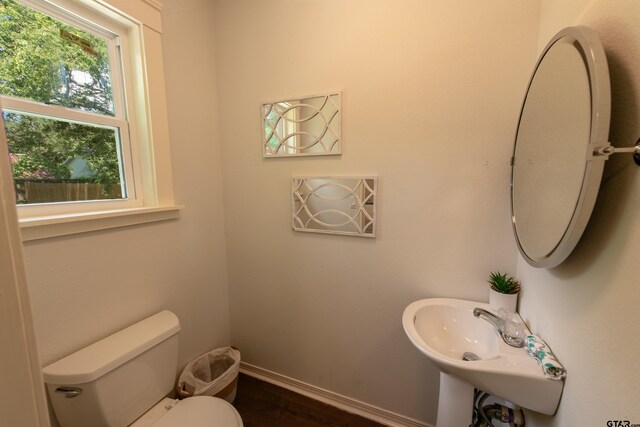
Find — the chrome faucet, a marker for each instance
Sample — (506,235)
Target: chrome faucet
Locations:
(498,323)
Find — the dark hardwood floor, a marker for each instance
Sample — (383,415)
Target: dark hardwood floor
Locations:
(261,404)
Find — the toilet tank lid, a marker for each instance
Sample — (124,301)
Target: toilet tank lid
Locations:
(92,362)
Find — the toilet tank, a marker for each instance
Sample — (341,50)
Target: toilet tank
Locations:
(117,379)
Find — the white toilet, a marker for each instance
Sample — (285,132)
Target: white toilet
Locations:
(123,379)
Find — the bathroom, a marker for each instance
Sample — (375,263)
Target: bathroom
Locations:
(431,95)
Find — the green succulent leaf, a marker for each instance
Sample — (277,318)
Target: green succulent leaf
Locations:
(503,283)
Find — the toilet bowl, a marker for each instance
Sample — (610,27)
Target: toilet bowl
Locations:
(123,380)
(198,411)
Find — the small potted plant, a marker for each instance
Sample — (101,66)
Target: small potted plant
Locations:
(504,291)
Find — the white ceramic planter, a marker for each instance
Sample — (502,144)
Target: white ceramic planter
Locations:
(506,301)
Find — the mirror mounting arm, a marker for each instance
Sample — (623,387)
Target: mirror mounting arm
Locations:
(608,150)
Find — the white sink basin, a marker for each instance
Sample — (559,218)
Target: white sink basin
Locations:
(443,329)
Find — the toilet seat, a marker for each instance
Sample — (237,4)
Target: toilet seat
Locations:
(201,411)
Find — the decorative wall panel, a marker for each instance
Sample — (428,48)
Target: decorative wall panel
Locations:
(335,205)
(308,126)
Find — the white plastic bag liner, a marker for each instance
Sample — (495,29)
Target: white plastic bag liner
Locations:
(210,373)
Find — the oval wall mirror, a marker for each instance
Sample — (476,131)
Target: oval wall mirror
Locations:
(555,176)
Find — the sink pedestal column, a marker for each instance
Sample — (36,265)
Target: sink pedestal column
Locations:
(455,402)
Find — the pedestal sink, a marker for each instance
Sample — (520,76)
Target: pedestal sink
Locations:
(444,329)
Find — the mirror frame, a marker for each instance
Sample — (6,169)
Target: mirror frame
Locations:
(329,137)
(587,42)
(359,219)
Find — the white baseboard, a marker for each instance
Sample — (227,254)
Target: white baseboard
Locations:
(344,403)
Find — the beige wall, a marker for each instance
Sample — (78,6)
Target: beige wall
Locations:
(587,308)
(85,287)
(431,94)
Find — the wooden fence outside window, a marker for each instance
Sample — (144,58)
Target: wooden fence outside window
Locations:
(48,191)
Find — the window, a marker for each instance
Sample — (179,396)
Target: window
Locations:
(83,100)
(63,98)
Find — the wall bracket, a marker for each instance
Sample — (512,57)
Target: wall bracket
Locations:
(608,150)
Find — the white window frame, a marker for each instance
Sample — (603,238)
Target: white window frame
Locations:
(140,113)
(116,38)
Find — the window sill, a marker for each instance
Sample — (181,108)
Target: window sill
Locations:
(45,227)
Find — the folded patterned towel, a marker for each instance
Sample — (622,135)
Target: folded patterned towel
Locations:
(539,350)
